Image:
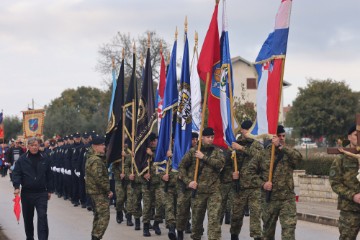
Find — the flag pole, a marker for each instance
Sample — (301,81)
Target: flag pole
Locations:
(201,130)
(272,159)
(133,136)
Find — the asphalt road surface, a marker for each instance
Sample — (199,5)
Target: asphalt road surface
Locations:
(75,223)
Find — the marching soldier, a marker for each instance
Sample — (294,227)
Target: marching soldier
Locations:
(80,169)
(208,196)
(98,187)
(282,202)
(76,150)
(344,181)
(249,192)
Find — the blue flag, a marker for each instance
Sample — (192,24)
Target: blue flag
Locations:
(170,101)
(226,84)
(113,72)
(184,121)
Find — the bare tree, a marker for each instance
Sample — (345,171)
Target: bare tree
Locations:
(124,41)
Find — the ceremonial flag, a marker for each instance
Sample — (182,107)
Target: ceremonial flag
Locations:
(114,128)
(209,63)
(161,89)
(270,67)
(1,126)
(170,101)
(195,93)
(113,73)
(182,141)
(147,116)
(227,84)
(33,123)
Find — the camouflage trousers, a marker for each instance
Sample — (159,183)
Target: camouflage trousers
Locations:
(170,201)
(134,197)
(226,196)
(121,195)
(349,225)
(183,208)
(251,198)
(101,215)
(285,210)
(151,196)
(212,203)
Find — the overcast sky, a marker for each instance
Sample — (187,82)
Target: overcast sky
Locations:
(47,46)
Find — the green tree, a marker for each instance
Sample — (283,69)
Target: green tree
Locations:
(12,127)
(323,108)
(82,109)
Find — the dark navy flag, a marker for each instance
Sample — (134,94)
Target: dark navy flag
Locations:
(170,101)
(184,121)
(226,84)
(146,118)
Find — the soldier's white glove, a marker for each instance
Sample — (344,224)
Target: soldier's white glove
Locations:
(358,176)
(69,172)
(77,174)
(58,170)
(62,170)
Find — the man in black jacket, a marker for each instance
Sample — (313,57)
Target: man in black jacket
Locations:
(32,171)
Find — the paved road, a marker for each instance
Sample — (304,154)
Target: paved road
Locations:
(68,222)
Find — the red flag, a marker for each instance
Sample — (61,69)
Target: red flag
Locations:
(209,62)
(161,88)
(17,208)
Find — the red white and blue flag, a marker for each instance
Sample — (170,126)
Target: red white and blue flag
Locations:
(270,66)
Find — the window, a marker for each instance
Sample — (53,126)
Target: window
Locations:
(251,83)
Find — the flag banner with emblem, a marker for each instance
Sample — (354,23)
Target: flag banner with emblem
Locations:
(160,89)
(33,123)
(114,128)
(170,101)
(146,118)
(113,74)
(183,129)
(227,84)
(270,67)
(2,126)
(195,93)
(209,62)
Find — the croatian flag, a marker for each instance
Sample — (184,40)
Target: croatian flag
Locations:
(225,86)
(269,66)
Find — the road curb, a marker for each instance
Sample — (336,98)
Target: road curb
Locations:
(317,219)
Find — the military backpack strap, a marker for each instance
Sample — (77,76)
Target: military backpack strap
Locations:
(279,157)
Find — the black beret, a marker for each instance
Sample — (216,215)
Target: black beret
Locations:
(208,132)
(93,134)
(52,144)
(352,129)
(194,135)
(66,137)
(98,140)
(60,140)
(71,137)
(77,135)
(152,137)
(85,135)
(280,129)
(246,124)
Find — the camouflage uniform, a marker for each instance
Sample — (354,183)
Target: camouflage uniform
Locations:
(152,195)
(98,188)
(134,189)
(208,195)
(249,194)
(343,181)
(120,186)
(226,185)
(183,205)
(282,204)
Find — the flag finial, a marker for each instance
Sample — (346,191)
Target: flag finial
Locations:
(123,53)
(186,24)
(196,38)
(134,47)
(161,47)
(148,39)
(217,1)
(176,34)
(141,60)
(168,61)
(113,61)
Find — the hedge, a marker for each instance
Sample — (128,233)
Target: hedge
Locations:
(316,166)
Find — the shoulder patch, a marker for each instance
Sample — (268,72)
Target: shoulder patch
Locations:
(332,173)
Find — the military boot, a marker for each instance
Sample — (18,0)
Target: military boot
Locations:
(172,233)
(258,238)
(137,223)
(188,227)
(156,228)
(94,238)
(234,237)
(227,217)
(180,235)
(146,232)
(129,220)
(119,217)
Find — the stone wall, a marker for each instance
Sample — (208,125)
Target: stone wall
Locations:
(313,188)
